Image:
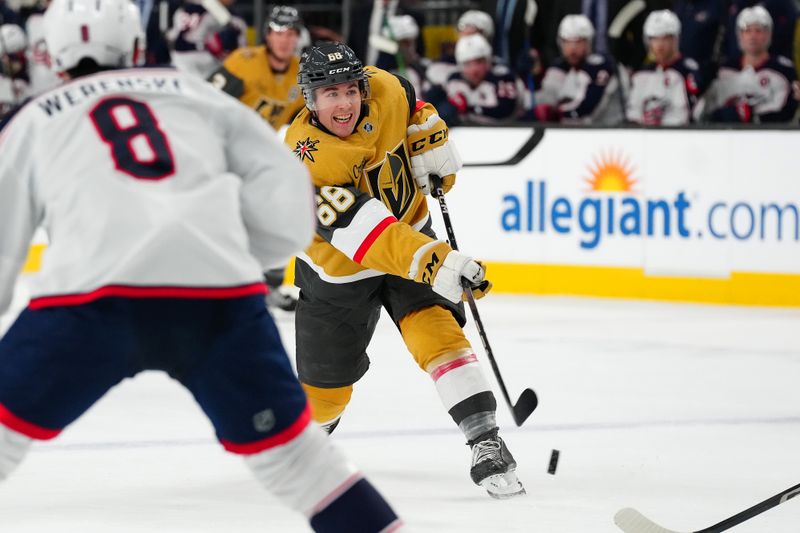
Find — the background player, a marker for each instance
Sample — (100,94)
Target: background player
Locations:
(156,251)
(581,87)
(756,87)
(265,78)
(665,91)
(200,40)
(370,146)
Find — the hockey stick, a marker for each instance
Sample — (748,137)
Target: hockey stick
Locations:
(632,521)
(527,401)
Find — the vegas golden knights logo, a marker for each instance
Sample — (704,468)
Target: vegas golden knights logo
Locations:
(391,182)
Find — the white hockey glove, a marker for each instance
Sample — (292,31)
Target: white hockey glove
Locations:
(431,153)
(456,266)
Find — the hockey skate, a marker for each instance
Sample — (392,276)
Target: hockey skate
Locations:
(493,466)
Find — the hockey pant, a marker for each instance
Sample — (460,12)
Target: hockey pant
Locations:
(440,348)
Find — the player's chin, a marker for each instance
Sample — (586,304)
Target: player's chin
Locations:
(343,128)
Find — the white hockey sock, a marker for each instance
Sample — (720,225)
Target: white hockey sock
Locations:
(306,473)
(13,447)
(465,393)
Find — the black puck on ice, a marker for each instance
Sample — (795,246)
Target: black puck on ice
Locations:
(551,468)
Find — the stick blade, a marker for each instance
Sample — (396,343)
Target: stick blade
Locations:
(632,521)
(525,406)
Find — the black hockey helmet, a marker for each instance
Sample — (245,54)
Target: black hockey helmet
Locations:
(283,18)
(329,64)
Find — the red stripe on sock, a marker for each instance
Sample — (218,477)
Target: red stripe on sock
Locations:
(12,421)
(278,439)
(335,493)
(444,368)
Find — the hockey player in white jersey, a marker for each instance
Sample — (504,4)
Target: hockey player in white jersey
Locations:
(483,91)
(758,87)
(201,39)
(664,92)
(581,87)
(40,76)
(163,200)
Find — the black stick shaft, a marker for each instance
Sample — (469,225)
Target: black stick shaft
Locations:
(438,193)
(757,509)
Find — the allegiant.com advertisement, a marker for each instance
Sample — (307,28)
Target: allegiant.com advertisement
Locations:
(688,202)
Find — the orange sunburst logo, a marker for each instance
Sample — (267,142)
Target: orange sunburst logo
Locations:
(611,172)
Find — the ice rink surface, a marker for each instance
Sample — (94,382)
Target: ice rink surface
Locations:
(689,413)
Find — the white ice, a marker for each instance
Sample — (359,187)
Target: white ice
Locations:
(689,413)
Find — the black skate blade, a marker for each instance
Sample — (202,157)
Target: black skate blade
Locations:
(525,406)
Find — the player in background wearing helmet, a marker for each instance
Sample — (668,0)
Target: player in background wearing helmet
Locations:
(784,23)
(481,91)
(403,30)
(265,78)
(371,148)
(164,200)
(470,22)
(757,87)
(664,92)
(40,76)
(201,40)
(581,87)
(13,67)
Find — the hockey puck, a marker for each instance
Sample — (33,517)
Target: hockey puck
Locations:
(551,468)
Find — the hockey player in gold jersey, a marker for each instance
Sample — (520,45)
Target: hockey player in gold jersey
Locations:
(265,78)
(371,148)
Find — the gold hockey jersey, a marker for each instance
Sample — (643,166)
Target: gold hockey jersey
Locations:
(369,209)
(246,75)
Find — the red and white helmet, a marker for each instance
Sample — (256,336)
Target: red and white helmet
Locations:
(574,27)
(106,31)
(661,23)
(480,20)
(471,47)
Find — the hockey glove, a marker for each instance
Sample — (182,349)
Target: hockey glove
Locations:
(431,153)
(744,110)
(445,276)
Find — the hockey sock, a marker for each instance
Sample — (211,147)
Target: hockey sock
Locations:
(303,472)
(358,508)
(13,447)
(465,393)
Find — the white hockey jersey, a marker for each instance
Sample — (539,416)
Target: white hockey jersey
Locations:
(40,76)
(148,182)
(664,95)
(588,94)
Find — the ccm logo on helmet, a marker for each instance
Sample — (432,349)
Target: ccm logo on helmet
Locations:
(434,138)
(338,70)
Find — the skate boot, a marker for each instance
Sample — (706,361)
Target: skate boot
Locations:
(493,466)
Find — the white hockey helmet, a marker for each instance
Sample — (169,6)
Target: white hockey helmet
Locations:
(480,20)
(471,47)
(12,39)
(573,27)
(661,23)
(754,16)
(107,31)
(401,27)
